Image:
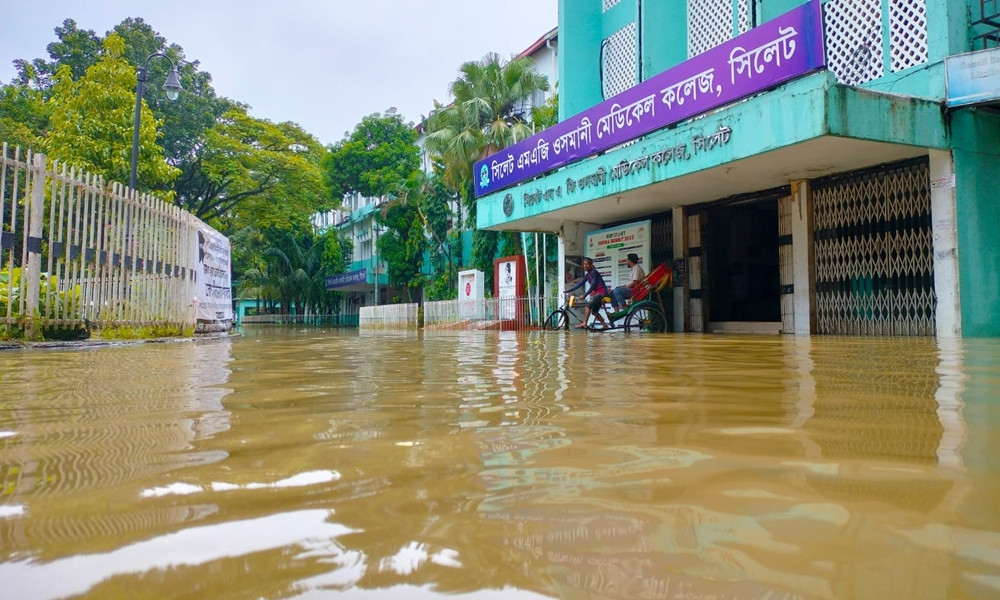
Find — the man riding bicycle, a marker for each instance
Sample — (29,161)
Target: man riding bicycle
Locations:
(596,289)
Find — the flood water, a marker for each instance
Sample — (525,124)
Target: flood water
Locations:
(311,463)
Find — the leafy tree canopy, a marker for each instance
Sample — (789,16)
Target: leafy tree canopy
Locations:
(489,113)
(402,247)
(251,170)
(380,152)
(92,121)
(24,116)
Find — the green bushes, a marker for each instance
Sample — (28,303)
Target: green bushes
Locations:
(51,301)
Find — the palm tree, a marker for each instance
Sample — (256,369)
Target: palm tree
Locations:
(293,275)
(490,112)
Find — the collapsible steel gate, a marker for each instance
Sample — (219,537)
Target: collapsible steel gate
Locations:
(874,257)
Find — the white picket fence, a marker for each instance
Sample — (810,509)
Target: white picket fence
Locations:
(389,316)
(90,251)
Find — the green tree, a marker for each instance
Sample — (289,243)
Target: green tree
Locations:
(78,49)
(546,115)
(92,121)
(375,160)
(430,200)
(401,247)
(292,273)
(24,116)
(381,152)
(489,113)
(252,170)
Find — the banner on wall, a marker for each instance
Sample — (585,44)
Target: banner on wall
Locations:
(608,248)
(509,283)
(213,284)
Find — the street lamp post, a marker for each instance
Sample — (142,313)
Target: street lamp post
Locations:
(376,230)
(172,87)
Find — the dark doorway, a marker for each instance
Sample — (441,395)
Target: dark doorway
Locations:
(742,253)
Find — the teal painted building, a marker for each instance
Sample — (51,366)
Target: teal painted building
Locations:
(366,282)
(853,198)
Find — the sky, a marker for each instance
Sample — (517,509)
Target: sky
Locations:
(323,64)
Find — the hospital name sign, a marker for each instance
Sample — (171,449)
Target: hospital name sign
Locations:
(780,50)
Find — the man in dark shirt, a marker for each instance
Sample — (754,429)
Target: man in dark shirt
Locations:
(596,289)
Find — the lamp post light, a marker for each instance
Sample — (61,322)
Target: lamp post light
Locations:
(172,88)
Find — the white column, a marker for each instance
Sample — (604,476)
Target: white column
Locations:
(802,258)
(948,318)
(33,263)
(562,265)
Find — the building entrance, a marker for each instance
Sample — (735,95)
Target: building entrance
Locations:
(741,248)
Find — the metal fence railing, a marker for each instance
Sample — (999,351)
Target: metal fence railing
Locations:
(336,320)
(489,313)
(75,249)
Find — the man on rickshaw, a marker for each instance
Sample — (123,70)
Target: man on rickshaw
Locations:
(596,289)
(623,293)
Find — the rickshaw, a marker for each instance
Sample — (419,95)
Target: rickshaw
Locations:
(642,315)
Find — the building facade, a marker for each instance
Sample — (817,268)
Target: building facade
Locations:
(799,164)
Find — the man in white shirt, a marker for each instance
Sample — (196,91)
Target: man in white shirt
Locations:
(635,275)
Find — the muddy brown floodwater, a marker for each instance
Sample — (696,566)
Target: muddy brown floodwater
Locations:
(317,463)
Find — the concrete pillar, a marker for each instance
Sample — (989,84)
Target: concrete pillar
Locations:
(944,232)
(679,223)
(562,265)
(695,288)
(803,258)
(31,275)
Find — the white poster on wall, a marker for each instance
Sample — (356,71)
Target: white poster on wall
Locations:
(608,248)
(507,288)
(213,295)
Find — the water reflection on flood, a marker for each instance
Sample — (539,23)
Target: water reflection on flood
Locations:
(308,463)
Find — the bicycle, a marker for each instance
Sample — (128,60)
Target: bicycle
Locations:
(560,318)
(641,316)
(565,315)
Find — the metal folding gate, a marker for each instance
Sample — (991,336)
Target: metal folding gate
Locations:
(874,254)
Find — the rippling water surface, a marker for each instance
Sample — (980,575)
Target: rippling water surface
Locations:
(309,463)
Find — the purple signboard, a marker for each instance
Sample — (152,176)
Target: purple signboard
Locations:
(345,279)
(781,49)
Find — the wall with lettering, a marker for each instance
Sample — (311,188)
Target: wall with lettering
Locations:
(214,291)
(784,48)
(793,115)
(661,156)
